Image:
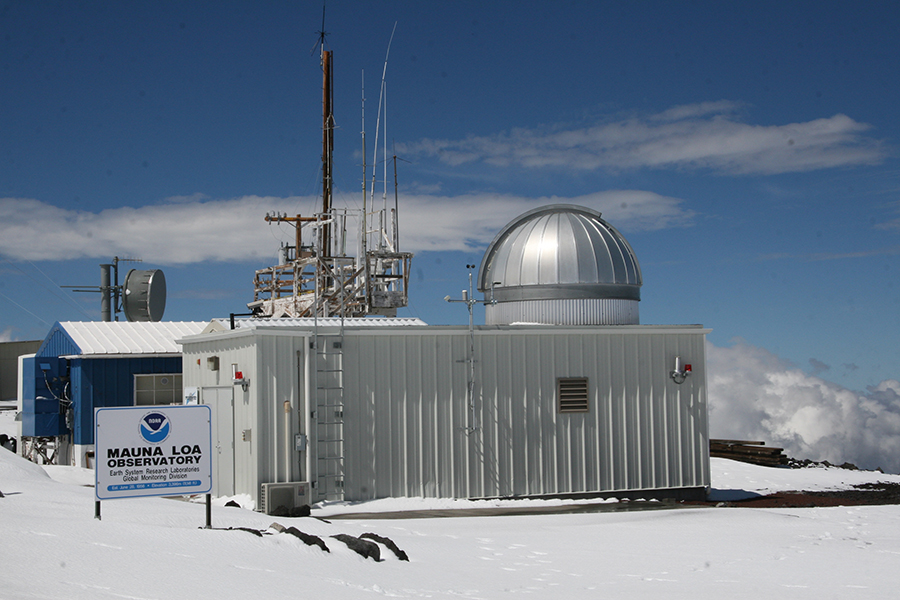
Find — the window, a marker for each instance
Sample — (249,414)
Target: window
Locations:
(573,394)
(158,389)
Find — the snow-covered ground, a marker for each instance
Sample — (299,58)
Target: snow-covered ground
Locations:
(156,548)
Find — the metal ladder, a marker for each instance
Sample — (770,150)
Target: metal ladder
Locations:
(329,416)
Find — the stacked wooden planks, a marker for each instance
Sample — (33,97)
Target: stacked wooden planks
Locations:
(756,453)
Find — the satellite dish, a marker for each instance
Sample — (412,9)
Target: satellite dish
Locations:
(144,295)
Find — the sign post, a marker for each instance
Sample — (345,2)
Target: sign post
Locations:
(152,451)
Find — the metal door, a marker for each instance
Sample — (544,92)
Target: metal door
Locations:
(221,403)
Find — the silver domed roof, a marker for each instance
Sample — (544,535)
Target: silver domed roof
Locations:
(559,251)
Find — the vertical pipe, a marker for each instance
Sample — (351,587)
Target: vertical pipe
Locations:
(363,261)
(116,290)
(105,290)
(396,211)
(287,440)
(304,404)
(362,252)
(327,146)
(297,240)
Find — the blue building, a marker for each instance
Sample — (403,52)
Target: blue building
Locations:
(81,366)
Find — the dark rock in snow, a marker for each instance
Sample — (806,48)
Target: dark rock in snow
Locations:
(864,494)
(232,504)
(309,540)
(387,542)
(807,463)
(364,548)
(255,532)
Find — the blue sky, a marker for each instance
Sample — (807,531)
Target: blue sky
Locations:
(747,150)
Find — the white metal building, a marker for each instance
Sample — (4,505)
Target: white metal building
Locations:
(359,409)
(383,411)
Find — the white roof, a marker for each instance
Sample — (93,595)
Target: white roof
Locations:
(127,338)
(309,323)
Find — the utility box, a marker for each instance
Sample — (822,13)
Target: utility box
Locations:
(278,497)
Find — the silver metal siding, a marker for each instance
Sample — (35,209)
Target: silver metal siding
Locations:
(279,381)
(579,311)
(233,350)
(270,362)
(407,412)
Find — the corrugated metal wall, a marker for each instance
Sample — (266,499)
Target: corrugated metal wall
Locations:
(57,343)
(108,382)
(568,311)
(406,413)
(263,433)
(279,381)
(237,350)
(407,427)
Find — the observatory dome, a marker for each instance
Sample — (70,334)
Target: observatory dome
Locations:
(562,265)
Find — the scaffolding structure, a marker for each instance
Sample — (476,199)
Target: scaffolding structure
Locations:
(321,278)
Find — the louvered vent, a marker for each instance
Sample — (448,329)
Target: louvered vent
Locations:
(573,394)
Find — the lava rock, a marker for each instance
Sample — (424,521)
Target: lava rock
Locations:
(309,540)
(255,532)
(364,548)
(387,542)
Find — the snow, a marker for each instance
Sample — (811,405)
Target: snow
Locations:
(733,480)
(157,548)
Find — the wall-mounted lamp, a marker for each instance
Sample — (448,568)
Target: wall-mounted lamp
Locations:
(681,371)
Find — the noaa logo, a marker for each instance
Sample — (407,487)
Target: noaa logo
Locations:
(155,427)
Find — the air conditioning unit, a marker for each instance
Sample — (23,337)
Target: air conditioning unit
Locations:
(290,495)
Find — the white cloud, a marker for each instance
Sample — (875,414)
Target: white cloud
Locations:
(470,222)
(705,135)
(823,256)
(194,229)
(186,231)
(754,395)
(893,224)
(6,335)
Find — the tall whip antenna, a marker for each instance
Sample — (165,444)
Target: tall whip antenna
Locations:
(378,121)
(322,32)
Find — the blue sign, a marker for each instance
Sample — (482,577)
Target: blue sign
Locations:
(155,427)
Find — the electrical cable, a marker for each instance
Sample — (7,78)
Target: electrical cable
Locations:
(64,297)
(26,310)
